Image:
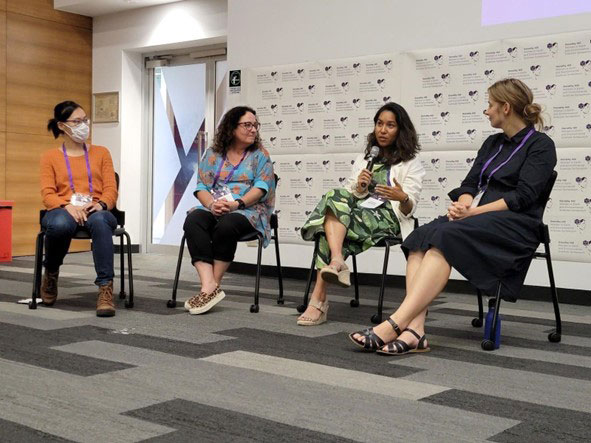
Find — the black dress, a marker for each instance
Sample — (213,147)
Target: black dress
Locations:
(496,246)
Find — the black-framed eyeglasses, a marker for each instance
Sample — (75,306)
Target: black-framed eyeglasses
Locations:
(250,125)
(77,121)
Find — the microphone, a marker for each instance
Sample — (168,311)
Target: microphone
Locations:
(373,155)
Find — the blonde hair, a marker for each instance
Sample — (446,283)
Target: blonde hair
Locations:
(520,97)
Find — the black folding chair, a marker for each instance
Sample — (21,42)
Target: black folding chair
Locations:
(556,335)
(386,243)
(82,233)
(249,237)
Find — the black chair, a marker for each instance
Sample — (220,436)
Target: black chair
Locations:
(249,237)
(386,243)
(83,234)
(554,336)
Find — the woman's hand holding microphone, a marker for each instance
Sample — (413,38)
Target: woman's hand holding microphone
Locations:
(363,180)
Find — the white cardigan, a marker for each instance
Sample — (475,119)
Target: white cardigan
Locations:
(410,176)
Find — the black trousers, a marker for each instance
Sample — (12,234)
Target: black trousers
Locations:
(212,238)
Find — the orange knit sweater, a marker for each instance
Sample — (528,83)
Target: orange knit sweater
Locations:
(55,184)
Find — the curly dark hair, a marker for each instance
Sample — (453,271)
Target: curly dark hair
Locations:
(225,132)
(406,144)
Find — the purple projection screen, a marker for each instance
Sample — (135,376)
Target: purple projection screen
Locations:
(495,12)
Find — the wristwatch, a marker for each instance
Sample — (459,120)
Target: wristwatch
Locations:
(241,204)
(103,205)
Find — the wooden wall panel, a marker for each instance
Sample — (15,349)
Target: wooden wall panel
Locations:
(2,71)
(47,63)
(23,153)
(2,98)
(22,186)
(45,58)
(2,165)
(43,9)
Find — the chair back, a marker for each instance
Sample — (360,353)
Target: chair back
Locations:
(545,196)
(119,215)
(274,220)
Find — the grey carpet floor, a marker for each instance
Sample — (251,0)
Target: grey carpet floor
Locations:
(157,374)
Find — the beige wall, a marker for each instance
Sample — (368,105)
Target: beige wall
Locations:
(45,58)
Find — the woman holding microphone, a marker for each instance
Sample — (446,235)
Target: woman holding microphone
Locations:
(379,201)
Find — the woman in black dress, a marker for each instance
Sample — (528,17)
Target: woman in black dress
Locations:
(491,228)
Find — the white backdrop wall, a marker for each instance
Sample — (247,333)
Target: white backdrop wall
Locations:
(308,31)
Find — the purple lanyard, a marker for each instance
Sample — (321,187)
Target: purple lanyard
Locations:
(488,162)
(217,175)
(70,168)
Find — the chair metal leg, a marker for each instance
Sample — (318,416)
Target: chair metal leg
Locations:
(556,335)
(355,302)
(477,322)
(255,307)
(301,308)
(377,318)
(121,268)
(172,302)
(37,271)
(488,344)
(280,299)
(128,302)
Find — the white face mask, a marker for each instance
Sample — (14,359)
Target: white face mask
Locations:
(79,133)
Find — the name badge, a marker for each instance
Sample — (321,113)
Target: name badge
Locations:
(477,198)
(80,199)
(222,192)
(372,203)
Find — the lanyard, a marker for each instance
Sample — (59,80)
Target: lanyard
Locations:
(488,162)
(70,168)
(217,174)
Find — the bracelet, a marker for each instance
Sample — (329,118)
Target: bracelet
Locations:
(405,200)
(103,205)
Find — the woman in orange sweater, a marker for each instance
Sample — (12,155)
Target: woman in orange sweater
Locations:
(78,188)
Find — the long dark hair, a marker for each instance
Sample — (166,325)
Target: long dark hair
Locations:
(61,113)
(225,133)
(406,144)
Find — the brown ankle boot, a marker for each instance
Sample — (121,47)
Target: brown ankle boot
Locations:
(49,287)
(105,305)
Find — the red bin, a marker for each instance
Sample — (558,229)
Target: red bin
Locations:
(6,230)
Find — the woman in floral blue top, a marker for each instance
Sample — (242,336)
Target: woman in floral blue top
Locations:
(236,186)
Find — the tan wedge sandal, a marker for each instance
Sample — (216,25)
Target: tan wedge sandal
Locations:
(322,307)
(339,275)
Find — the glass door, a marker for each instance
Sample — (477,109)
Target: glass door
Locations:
(187,102)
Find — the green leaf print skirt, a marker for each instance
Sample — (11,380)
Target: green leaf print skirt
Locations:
(365,227)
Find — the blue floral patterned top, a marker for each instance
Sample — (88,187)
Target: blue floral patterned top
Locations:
(256,170)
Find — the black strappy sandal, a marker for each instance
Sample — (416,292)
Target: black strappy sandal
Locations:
(372,342)
(399,347)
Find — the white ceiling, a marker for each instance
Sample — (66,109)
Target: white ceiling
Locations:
(94,8)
